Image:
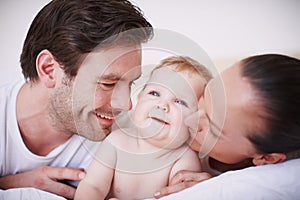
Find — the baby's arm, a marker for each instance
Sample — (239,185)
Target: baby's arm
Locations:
(189,161)
(97,181)
(185,173)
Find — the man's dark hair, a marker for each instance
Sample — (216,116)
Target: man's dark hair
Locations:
(71,28)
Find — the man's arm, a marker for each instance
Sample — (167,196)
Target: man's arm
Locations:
(46,178)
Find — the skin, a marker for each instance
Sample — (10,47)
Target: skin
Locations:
(50,105)
(176,103)
(232,145)
(105,79)
(228,146)
(159,136)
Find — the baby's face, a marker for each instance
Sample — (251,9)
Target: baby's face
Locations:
(168,98)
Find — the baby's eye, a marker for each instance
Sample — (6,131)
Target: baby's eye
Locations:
(181,102)
(154,93)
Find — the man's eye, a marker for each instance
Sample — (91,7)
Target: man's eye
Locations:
(154,93)
(109,84)
(181,102)
(106,86)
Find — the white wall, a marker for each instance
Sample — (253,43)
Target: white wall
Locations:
(15,19)
(231,29)
(226,30)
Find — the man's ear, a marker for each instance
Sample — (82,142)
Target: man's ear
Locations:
(45,66)
(271,158)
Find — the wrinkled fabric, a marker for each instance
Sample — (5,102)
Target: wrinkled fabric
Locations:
(27,194)
(268,182)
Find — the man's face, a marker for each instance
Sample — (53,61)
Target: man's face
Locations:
(88,104)
(227,113)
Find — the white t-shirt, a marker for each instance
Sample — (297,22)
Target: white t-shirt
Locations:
(14,155)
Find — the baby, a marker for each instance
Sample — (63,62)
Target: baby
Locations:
(135,162)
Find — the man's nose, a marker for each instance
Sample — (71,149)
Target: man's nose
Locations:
(121,99)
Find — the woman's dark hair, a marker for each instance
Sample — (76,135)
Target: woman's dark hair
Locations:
(71,28)
(276,79)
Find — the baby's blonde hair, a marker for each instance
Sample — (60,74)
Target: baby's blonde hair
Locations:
(185,63)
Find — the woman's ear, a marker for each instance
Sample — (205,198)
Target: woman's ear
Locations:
(271,158)
(45,66)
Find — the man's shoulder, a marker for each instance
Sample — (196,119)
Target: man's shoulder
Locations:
(9,89)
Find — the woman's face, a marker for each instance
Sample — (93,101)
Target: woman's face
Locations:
(226,113)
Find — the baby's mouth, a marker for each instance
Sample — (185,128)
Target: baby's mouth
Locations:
(160,120)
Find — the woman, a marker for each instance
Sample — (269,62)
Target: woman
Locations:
(258,123)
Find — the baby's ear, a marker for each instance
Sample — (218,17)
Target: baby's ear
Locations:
(45,66)
(271,158)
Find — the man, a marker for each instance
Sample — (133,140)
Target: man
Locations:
(79,60)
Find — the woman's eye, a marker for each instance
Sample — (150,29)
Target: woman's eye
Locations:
(181,102)
(154,93)
(212,132)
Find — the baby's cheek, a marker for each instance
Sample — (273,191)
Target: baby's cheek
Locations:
(188,111)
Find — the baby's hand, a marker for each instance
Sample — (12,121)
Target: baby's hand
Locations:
(181,181)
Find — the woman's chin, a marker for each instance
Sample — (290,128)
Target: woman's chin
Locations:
(194,145)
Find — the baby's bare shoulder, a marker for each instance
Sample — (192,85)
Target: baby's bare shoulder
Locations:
(121,136)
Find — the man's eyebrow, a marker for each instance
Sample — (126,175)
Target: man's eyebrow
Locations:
(114,77)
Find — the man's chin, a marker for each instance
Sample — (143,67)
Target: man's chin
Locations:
(97,136)
(106,131)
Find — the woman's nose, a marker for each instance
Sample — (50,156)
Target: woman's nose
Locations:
(193,121)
